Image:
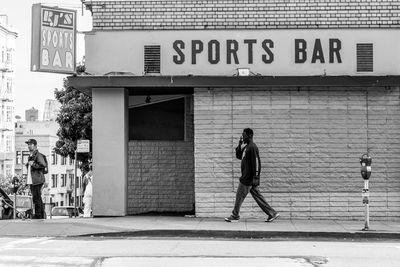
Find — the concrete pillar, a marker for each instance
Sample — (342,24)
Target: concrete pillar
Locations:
(110,146)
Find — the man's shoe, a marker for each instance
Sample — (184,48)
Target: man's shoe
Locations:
(272,218)
(232,219)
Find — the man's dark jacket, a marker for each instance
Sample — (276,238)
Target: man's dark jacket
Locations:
(37,167)
(249,163)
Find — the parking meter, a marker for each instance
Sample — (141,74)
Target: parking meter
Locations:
(365,162)
(15,182)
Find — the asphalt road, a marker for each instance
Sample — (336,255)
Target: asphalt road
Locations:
(108,252)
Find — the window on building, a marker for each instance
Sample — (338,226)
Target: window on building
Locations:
(53,158)
(71,161)
(71,180)
(9,145)
(25,155)
(63,160)
(9,58)
(9,114)
(8,170)
(9,85)
(63,180)
(18,157)
(158,121)
(54,178)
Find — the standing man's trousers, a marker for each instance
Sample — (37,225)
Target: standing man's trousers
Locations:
(36,191)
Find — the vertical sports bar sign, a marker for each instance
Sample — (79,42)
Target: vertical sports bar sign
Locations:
(53,39)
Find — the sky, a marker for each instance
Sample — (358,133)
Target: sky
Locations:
(31,89)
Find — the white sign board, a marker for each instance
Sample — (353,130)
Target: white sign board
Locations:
(83,146)
(262,52)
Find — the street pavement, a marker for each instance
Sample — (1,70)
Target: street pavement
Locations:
(189,226)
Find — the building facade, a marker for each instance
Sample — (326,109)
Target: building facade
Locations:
(317,81)
(7,48)
(59,185)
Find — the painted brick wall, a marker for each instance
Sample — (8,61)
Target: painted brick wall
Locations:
(244,14)
(310,141)
(161,173)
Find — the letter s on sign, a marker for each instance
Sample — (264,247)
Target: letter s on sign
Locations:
(266,45)
(180,57)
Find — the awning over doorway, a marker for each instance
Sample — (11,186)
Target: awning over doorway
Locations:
(183,84)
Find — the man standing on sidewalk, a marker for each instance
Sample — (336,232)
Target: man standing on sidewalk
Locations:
(35,179)
(250,179)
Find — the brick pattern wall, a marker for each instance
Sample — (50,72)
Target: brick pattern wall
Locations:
(310,141)
(244,14)
(161,173)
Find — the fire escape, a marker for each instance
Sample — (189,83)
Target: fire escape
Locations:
(6,112)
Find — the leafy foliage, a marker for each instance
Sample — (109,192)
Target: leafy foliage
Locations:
(75,120)
(5,184)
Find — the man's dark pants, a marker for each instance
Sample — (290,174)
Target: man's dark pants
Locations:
(241,194)
(36,191)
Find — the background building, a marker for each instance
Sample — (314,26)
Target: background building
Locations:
(32,114)
(60,179)
(7,50)
(318,81)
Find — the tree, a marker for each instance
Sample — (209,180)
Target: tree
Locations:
(5,184)
(75,120)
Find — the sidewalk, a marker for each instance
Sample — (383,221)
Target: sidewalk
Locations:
(171,226)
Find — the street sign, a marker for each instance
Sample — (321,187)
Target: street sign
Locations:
(83,146)
(53,39)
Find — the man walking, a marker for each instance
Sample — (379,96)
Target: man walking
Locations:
(35,179)
(250,179)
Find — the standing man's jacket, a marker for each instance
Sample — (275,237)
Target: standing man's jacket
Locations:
(249,156)
(37,167)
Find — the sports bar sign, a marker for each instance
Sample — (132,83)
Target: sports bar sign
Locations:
(53,39)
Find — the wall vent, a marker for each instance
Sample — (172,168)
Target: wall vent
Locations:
(365,57)
(152,59)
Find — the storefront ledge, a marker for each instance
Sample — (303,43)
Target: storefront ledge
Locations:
(87,82)
(230,234)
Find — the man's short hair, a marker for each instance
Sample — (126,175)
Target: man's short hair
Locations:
(248,131)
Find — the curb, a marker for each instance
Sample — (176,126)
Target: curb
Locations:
(358,235)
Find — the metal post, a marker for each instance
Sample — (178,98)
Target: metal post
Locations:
(75,194)
(366,203)
(1,208)
(22,164)
(51,206)
(15,206)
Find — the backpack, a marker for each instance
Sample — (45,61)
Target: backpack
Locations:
(46,168)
